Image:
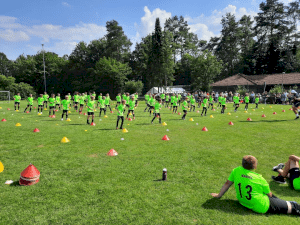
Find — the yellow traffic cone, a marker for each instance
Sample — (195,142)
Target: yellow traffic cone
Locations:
(125,130)
(211,116)
(164,124)
(69,111)
(228,114)
(105,116)
(18,125)
(68,119)
(1,167)
(191,119)
(245,111)
(39,114)
(65,140)
(253,110)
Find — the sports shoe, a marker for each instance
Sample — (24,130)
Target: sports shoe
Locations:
(279,179)
(62,119)
(297,117)
(278,167)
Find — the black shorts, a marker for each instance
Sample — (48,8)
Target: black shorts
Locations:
(127,105)
(167,101)
(296,104)
(277,206)
(118,102)
(130,111)
(104,109)
(185,111)
(294,173)
(17,103)
(76,102)
(157,114)
(40,106)
(90,113)
(151,107)
(57,104)
(45,101)
(65,111)
(51,107)
(81,105)
(29,105)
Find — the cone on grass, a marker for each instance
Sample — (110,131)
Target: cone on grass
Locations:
(0,107)
(39,114)
(290,109)
(283,110)
(198,111)
(270,106)
(213,109)
(8,109)
(191,119)
(129,119)
(18,125)
(112,152)
(245,111)
(3,120)
(36,130)
(1,167)
(253,110)
(29,176)
(179,113)
(125,130)
(204,129)
(68,119)
(45,109)
(53,116)
(229,114)
(65,140)
(230,123)
(69,111)
(27,111)
(93,124)
(17,110)
(211,116)
(262,108)
(164,124)
(130,114)
(263,115)
(165,138)
(274,113)
(249,119)
(105,116)
(84,114)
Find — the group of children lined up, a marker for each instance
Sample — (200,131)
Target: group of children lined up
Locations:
(79,101)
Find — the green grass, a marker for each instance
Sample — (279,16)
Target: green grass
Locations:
(79,184)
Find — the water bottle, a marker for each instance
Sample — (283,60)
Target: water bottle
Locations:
(164,175)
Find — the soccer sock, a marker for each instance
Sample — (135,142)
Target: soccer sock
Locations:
(38,109)
(205,111)
(49,112)
(92,120)
(15,107)
(87,121)
(122,118)
(202,111)
(118,121)
(18,107)
(159,120)
(153,119)
(295,208)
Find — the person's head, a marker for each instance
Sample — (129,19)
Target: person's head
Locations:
(100,94)
(18,94)
(58,94)
(123,102)
(107,94)
(207,96)
(159,100)
(69,93)
(132,98)
(66,97)
(249,162)
(127,94)
(53,95)
(41,95)
(45,92)
(119,94)
(103,97)
(30,95)
(92,97)
(247,94)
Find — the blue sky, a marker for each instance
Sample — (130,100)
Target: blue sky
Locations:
(60,25)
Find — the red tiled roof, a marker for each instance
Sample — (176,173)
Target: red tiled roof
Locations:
(270,79)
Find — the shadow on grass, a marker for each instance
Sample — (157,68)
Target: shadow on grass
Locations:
(272,121)
(226,205)
(283,190)
(108,129)
(143,124)
(77,124)
(15,183)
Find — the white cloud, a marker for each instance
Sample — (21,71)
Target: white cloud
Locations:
(147,24)
(65,4)
(13,36)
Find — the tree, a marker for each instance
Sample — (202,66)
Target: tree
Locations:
(133,87)
(110,75)
(8,83)
(5,65)
(204,69)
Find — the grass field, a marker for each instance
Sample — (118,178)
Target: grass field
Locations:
(80,184)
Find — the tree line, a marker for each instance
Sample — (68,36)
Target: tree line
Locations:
(174,55)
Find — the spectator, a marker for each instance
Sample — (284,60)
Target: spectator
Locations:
(252,97)
(216,97)
(265,97)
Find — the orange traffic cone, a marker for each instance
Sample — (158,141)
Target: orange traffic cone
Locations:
(283,110)
(165,138)
(230,123)
(112,152)
(249,119)
(3,120)
(93,124)
(36,130)
(274,113)
(263,115)
(204,129)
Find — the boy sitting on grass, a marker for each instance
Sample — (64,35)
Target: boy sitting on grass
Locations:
(253,191)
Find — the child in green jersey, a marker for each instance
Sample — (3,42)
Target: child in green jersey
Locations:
(236,102)
(131,107)
(127,98)
(184,108)
(204,105)
(162,97)
(52,104)
(256,101)
(152,102)
(167,100)
(157,108)
(57,100)
(211,102)
(76,100)
(46,97)
(189,99)
(147,102)
(172,101)
(220,99)
(136,97)
(90,109)
(40,101)
(29,103)
(223,103)
(193,103)
(107,102)
(121,110)
(81,102)
(102,106)
(253,191)
(179,99)
(118,98)
(246,101)
(65,105)
(99,98)
(17,99)
(290,171)
(175,104)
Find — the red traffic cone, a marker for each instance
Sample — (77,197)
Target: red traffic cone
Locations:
(283,110)
(112,152)
(179,113)
(249,119)
(230,123)
(53,116)
(111,112)
(204,129)
(213,109)
(29,176)
(165,138)
(198,111)
(50,116)
(36,130)
(93,124)
(290,109)
(80,112)
(129,119)
(274,113)
(3,120)
(263,115)
(27,111)
(84,114)
(34,107)
(8,109)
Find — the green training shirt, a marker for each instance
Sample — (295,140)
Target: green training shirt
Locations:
(131,105)
(102,103)
(184,105)
(90,106)
(211,99)
(107,100)
(157,107)
(193,101)
(45,97)
(57,99)
(30,100)
(65,104)
(121,109)
(175,100)
(152,101)
(167,97)
(76,98)
(17,98)
(51,101)
(81,100)
(256,99)
(136,97)
(162,96)
(40,100)
(204,103)
(179,97)
(118,98)
(246,99)
(251,189)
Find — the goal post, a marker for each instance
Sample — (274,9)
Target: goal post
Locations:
(5,96)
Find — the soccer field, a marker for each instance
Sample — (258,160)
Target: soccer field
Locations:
(80,184)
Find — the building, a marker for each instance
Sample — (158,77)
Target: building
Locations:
(257,83)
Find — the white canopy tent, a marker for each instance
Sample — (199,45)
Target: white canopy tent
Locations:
(169,89)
